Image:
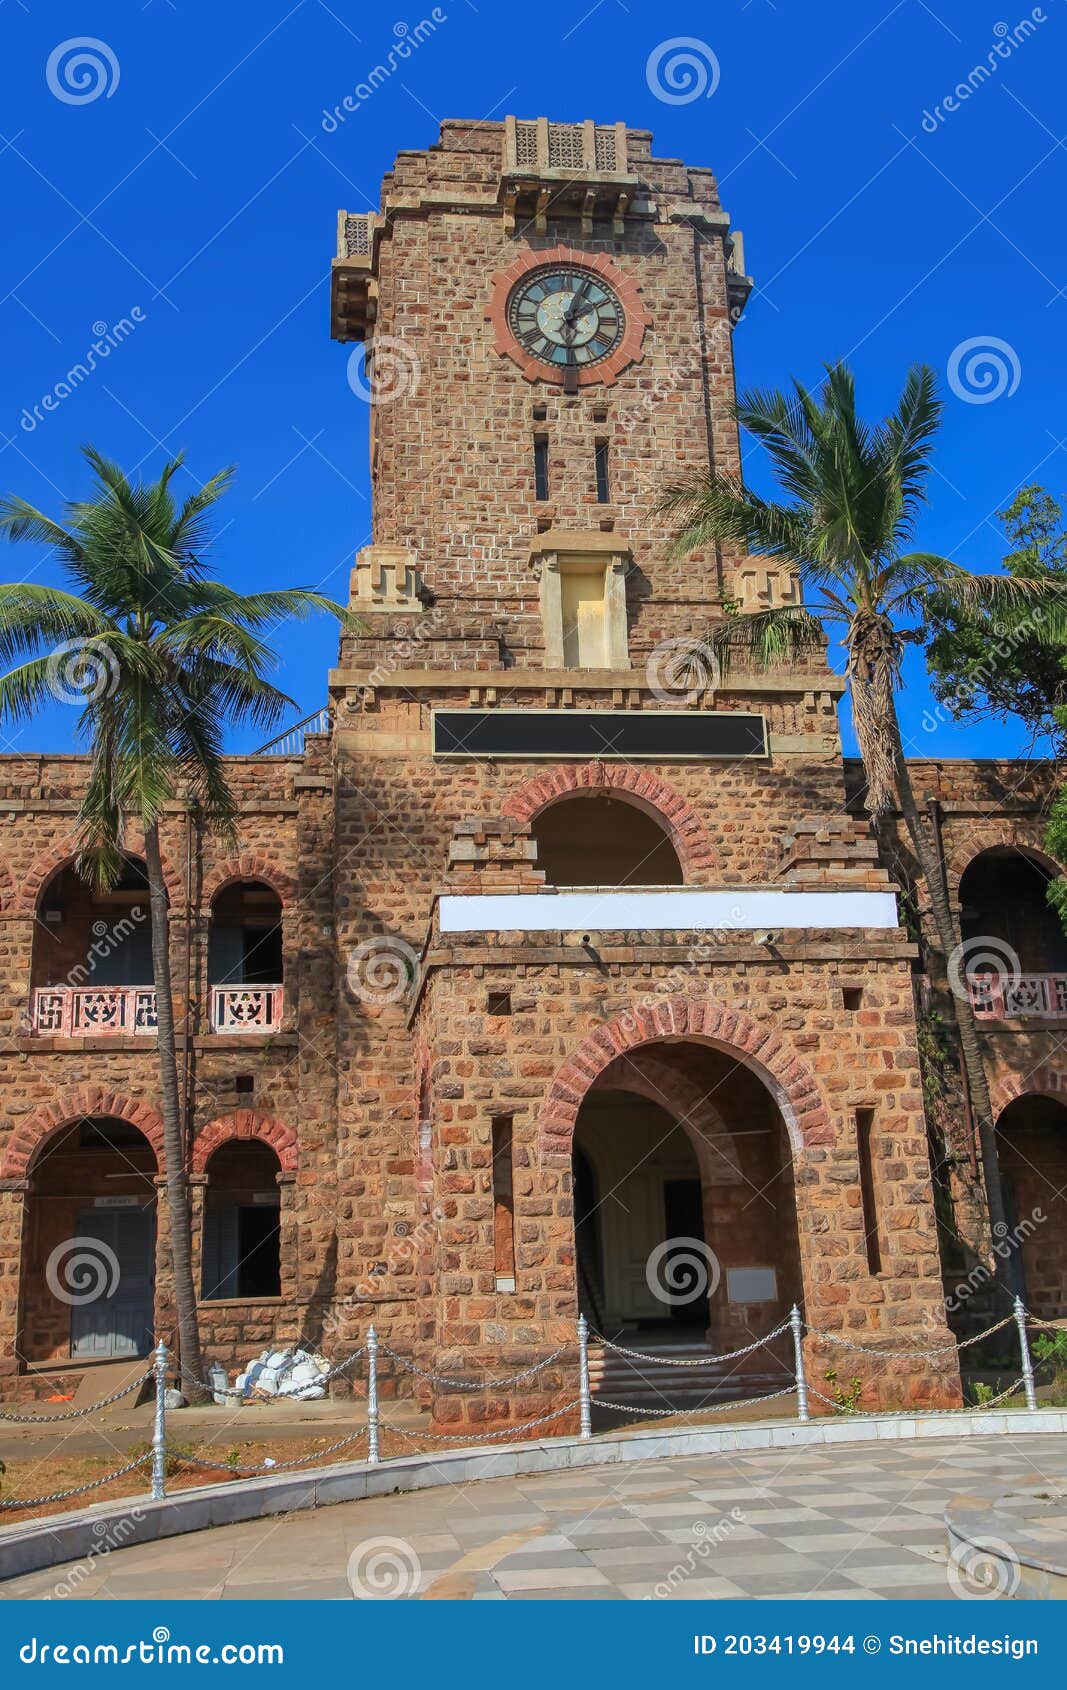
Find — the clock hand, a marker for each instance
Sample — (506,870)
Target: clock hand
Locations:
(576,300)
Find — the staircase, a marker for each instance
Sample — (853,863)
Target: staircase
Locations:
(659,1384)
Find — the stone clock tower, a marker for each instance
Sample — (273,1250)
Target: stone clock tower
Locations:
(548,314)
(549,972)
(608,935)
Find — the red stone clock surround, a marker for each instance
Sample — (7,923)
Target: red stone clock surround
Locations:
(608,369)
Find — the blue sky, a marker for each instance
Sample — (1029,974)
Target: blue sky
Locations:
(202,190)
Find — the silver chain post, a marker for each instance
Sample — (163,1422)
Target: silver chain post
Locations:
(584,1401)
(798,1352)
(159,1428)
(1024,1346)
(372,1395)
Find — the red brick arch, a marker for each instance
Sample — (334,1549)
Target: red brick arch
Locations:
(61,856)
(30,1136)
(790,1081)
(245,1124)
(1038,1082)
(638,786)
(992,839)
(250,865)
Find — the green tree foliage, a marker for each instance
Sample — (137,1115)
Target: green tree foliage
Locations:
(997,659)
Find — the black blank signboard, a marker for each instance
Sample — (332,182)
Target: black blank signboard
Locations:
(598,733)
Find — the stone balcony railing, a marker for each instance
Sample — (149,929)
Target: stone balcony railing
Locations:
(1005,997)
(246,1009)
(568,169)
(80,1012)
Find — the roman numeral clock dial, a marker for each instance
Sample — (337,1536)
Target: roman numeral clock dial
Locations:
(567,317)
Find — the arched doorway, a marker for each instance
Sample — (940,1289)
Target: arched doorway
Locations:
(1032,1152)
(88,1274)
(643,1262)
(685,1212)
(596,839)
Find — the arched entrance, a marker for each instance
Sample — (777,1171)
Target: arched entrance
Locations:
(88,1268)
(685,1213)
(1032,1152)
(642,1261)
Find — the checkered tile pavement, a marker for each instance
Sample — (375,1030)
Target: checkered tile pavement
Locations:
(861,1520)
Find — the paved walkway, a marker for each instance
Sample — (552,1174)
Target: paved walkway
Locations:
(859,1520)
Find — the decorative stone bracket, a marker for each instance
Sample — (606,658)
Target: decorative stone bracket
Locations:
(386,578)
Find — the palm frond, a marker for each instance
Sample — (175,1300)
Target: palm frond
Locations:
(719,510)
(27,689)
(765,638)
(32,615)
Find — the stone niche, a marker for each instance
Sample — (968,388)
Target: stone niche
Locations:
(583,598)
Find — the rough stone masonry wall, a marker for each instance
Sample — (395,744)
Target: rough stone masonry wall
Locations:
(569,1019)
(284,836)
(982,804)
(453,455)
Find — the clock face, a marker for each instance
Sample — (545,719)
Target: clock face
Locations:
(566,317)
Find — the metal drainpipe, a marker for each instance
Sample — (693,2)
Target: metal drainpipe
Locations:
(933,806)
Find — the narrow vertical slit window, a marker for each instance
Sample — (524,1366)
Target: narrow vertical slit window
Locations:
(540,466)
(865,1148)
(603,482)
(503,1203)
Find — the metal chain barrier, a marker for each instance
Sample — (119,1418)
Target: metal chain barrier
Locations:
(481,1437)
(76,1413)
(77,1490)
(584,1402)
(689,1361)
(923,1413)
(475,1384)
(909,1354)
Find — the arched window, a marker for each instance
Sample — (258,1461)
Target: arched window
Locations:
(1003,903)
(241,1256)
(92,956)
(594,839)
(245,967)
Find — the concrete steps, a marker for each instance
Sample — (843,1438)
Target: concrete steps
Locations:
(659,1384)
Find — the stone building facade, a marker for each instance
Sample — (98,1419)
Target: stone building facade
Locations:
(552,970)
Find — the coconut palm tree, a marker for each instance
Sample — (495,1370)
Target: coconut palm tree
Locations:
(161,657)
(853,493)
